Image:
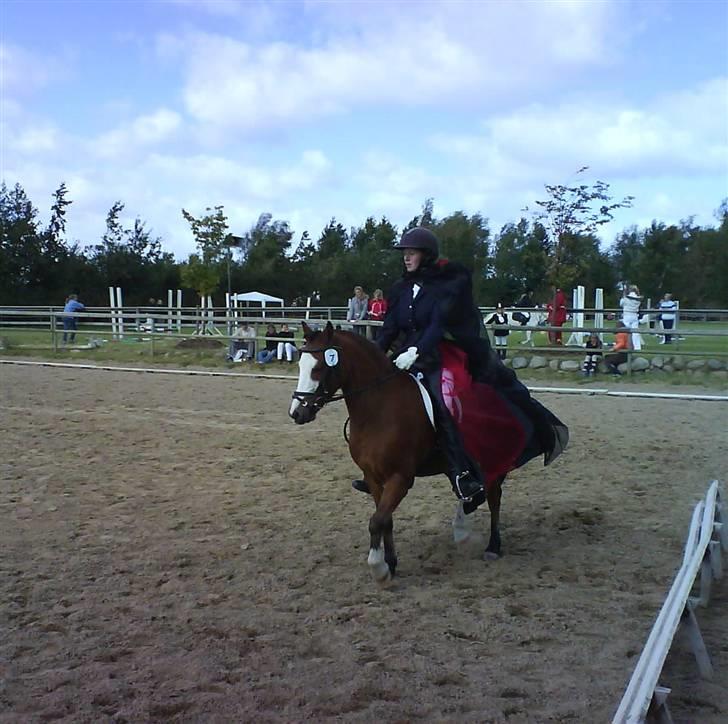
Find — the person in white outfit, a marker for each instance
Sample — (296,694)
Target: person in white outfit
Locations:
(286,348)
(630,303)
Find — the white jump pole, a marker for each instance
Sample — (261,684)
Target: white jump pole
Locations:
(120,307)
(170,304)
(112,304)
(179,312)
(308,308)
(599,310)
(577,318)
(228,314)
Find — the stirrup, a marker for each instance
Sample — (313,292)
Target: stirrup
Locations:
(470,486)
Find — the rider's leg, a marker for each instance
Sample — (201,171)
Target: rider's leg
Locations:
(463,472)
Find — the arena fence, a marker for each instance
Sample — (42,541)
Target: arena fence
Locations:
(645,699)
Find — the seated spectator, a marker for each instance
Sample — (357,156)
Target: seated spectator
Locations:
(287,346)
(242,344)
(591,361)
(268,353)
(618,355)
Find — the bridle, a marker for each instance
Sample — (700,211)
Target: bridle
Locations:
(322,395)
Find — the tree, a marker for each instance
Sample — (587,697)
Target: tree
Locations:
(202,271)
(568,212)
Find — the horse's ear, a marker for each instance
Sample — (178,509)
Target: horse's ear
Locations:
(329,331)
(308,333)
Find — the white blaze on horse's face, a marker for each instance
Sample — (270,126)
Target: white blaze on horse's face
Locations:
(306,383)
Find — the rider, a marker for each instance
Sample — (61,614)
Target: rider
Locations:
(431,302)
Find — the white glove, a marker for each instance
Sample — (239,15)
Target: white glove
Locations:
(407,359)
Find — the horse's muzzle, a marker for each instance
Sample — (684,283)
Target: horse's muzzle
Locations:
(303,413)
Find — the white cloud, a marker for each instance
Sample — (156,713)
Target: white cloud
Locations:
(663,137)
(148,130)
(413,54)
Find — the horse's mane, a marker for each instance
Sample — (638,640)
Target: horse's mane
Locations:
(365,349)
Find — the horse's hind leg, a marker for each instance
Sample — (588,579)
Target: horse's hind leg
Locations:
(495,489)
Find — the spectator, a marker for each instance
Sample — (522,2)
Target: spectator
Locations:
(591,361)
(556,316)
(622,344)
(500,333)
(668,308)
(357,311)
(287,346)
(525,302)
(630,303)
(70,323)
(268,353)
(377,310)
(242,345)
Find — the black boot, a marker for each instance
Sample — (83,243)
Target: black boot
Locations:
(463,472)
(361,486)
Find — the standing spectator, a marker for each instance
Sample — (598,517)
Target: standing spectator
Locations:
(668,308)
(268,353)
(630,303)
(556,316)
(357,311)
(591,361)
(286,348)
(621,346)
(377,310)
(70,323)
(525,302)
(242,345)
(500,333)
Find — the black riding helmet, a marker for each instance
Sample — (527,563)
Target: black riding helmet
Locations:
(420,238)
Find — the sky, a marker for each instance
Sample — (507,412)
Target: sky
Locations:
(313,110)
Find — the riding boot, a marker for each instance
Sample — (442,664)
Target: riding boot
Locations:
(463,472)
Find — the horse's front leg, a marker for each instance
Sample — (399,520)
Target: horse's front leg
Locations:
(382,553)
(493,550)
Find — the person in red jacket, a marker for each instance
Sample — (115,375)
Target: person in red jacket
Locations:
(377,310)
(556,309)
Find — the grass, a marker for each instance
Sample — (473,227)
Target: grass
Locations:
(139,347)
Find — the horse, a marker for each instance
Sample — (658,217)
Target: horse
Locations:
(391,437)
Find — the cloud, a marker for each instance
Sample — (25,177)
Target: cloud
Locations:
(680,133)
(413,54)
(148,130)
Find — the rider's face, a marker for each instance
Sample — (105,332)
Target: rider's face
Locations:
(412,259)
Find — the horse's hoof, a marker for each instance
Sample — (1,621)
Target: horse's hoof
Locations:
(384,582)
(378,566)
(491,556)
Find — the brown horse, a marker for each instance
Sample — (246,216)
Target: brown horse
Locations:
(391,437)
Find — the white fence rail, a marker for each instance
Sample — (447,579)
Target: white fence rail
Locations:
(708,536)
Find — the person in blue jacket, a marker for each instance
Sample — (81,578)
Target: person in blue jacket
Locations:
(431,302)
(70,323)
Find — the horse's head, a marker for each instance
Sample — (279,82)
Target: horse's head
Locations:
(319,373)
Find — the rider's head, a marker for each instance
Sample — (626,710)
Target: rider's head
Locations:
(419,248)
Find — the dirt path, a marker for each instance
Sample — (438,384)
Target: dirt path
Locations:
(174,548)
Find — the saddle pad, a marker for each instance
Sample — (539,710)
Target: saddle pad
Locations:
(426,400)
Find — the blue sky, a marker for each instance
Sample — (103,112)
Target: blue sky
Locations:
(309,110)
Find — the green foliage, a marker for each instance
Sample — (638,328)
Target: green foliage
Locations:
(568,213)
(203,271)
(38,265)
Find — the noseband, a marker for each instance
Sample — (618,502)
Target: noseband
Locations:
(321,395)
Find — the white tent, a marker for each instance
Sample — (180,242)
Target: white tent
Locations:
(257,297)
(238,300)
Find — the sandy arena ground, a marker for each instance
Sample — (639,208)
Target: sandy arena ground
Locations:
(175,549)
